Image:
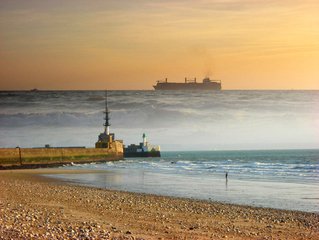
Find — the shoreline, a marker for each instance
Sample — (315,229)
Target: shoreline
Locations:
(47,208)
(256,192)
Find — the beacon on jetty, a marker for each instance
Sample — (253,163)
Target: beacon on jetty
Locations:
(144,149)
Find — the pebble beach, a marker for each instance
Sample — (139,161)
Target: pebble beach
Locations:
(34,207)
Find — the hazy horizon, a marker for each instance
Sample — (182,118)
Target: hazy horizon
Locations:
(175,120)
(211,91)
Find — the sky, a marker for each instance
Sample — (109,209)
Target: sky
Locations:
(113,44)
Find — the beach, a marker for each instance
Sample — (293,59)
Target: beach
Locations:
(35,207)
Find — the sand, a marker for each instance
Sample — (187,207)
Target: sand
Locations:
(33,207)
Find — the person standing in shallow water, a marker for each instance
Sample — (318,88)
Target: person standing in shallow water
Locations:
(226,178)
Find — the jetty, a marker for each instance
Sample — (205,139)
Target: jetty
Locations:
(106,149)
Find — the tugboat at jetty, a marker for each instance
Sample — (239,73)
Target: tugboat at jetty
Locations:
(191,84)
(144,149)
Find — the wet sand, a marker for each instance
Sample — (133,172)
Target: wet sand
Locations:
(34,207)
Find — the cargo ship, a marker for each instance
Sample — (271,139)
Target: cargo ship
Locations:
(189,84)
(144,149)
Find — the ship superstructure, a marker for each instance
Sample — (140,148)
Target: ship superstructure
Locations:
(143,149)
(189,84)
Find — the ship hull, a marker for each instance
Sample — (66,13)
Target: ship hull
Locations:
(188,86)
(141,154)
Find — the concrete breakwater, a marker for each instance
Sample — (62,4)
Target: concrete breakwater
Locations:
(107,148)
(37,157)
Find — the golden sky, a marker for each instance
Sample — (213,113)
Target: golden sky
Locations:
(127,44)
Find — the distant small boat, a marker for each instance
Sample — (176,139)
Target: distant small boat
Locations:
(34,90)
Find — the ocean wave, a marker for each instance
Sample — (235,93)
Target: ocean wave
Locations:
(50,119)
(96,98)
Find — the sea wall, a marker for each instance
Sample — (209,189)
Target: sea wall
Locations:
(35,157)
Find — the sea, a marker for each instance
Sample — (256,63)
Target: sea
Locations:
(266,141)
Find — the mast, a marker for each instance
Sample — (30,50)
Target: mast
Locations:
(106,118)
